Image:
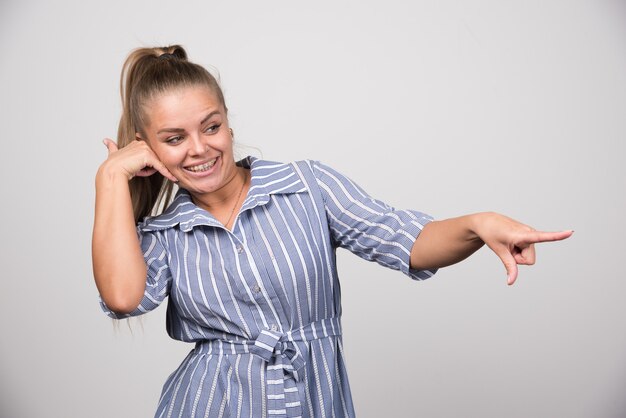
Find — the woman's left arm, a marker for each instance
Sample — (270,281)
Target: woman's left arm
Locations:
(446,242)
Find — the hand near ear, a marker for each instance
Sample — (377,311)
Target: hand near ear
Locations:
(135,159)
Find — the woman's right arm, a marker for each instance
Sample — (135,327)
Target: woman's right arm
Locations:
(118,263)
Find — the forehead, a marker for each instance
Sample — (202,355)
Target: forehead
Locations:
(180,106)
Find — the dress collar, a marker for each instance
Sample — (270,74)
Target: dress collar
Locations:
(267,178)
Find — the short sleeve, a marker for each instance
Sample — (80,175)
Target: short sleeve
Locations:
(158,277)
(368,227)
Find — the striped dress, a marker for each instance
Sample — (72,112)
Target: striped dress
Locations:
(262,302)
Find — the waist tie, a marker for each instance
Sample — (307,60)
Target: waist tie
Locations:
(285,353)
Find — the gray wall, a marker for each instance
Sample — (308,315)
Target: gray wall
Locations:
(449,107)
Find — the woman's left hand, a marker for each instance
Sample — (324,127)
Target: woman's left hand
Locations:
(512,241)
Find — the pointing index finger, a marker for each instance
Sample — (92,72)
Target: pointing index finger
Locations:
(542,236)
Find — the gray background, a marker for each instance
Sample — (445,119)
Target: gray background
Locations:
(449,107)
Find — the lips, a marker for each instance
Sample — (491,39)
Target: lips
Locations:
(202,167)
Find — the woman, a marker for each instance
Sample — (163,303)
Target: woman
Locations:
(246,250)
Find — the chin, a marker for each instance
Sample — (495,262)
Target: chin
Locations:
(196,189)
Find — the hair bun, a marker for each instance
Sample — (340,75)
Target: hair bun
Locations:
(172,52)
(167,55)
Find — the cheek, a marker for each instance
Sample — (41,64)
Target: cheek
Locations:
(170,157)
(226,145)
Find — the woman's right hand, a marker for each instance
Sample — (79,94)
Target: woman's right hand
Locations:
(118,263)
(135,159)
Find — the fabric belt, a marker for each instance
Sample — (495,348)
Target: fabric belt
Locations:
(286,354)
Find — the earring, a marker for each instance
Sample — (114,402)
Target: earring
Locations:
(232,134)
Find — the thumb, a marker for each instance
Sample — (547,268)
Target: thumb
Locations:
(509,264)
(110,144)
(511,273)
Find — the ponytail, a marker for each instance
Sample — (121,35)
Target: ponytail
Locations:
(147,73)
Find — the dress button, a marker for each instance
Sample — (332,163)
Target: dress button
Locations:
(240,249)
(256,288)
(274,327)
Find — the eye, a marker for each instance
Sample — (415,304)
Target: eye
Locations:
(174,140)
(212,129)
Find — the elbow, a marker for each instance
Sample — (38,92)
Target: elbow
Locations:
(122,300)
(121,292)
(120,306)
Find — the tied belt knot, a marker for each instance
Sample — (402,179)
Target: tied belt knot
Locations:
(281,350)
(285,354)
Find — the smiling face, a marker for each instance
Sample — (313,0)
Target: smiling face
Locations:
(187,128)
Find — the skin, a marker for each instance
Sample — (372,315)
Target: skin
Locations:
(449,241)
(189,127)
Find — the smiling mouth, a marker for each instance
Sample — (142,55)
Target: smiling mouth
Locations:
(202,167)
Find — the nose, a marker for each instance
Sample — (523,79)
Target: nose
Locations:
(197,146)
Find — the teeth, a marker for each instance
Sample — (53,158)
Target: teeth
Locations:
(202,167)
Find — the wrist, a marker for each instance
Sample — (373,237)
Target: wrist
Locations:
(476,223)
(111,174)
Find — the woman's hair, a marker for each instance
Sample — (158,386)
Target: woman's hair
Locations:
(147,73)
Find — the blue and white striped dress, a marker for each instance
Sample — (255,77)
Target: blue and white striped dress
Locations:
(262,302)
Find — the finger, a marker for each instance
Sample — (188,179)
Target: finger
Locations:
(110,144)
(146,172)
(157,165)
(166,173)
(525,255)
(509,264)
(151,163)
(541,236)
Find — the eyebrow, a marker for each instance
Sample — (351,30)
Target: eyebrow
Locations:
(179,130)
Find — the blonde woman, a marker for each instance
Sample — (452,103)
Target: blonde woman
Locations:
(245,250)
